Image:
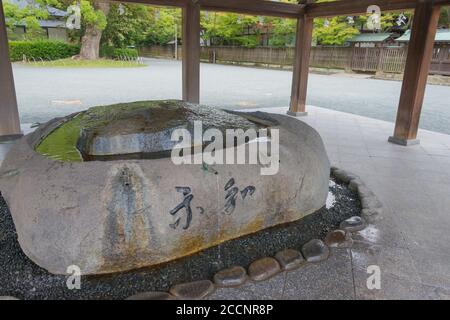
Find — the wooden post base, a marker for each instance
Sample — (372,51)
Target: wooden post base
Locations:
(403,142)
(297,114)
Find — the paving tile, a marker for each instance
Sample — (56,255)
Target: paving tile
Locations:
(4,148)
(330,279)
(396,262)
(392,288)
(437,293)
(270,289)
(433,266)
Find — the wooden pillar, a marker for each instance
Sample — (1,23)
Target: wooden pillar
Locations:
(301,66)
(418,60)
(9,115)
(191,52)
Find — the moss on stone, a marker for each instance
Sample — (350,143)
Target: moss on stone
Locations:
(61,143)
(71,141)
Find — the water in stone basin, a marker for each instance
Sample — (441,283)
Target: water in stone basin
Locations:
(132,130)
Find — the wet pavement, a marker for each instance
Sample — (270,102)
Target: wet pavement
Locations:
(44,93)
(409,244)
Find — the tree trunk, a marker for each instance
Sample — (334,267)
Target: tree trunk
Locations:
(90,42)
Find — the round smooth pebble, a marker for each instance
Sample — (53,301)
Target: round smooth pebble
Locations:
(338,239)
(231,277)
(263,269)
(353,224)
(355,184)
(152,295)
(315,251)
(370,202)
(289,259)
(192,290)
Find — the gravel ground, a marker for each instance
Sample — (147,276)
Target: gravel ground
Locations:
(21,278)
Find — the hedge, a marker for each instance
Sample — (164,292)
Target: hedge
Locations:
(41,49)
(118,53)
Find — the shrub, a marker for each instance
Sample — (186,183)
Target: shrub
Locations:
(106,51)
(118,53)
(127,53)
(41,49)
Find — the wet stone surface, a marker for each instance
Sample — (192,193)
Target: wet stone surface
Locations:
(192,290)
(338,239)
(289,259)
(263,269)
(315,251)
(353,224)
(230,277)
(133,130)
(21,278)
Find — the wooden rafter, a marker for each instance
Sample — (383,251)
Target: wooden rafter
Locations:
(356,7)
(254,7)
(163,3)
(291,10)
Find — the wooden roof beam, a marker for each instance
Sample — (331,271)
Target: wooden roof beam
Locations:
(162,3)
(255,7)
(356,7)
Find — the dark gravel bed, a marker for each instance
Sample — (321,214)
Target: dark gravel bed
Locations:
(21,278)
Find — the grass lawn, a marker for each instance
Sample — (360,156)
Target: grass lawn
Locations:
(76,63)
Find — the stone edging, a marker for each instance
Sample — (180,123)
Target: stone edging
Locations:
(262,269)
(372,208)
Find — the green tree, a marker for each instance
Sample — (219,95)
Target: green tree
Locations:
(283,32)
(93,22)
(126,25)
(93,17)
(444,18)
(164,23)
(229,28)
(27,16)
(333,31)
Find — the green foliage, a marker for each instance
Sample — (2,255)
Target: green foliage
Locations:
(27,16)
(125,53)
(164,23)
(128,29)
(91,16)
(83,63)
(229,29)
(118,53)
(41,49)
(283,32)
(444,18)
(335,33)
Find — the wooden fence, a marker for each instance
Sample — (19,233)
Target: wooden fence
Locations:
(386,60)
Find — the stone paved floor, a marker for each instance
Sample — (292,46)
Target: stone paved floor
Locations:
(411,244)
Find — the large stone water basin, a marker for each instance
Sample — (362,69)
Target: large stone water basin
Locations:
(127,213)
